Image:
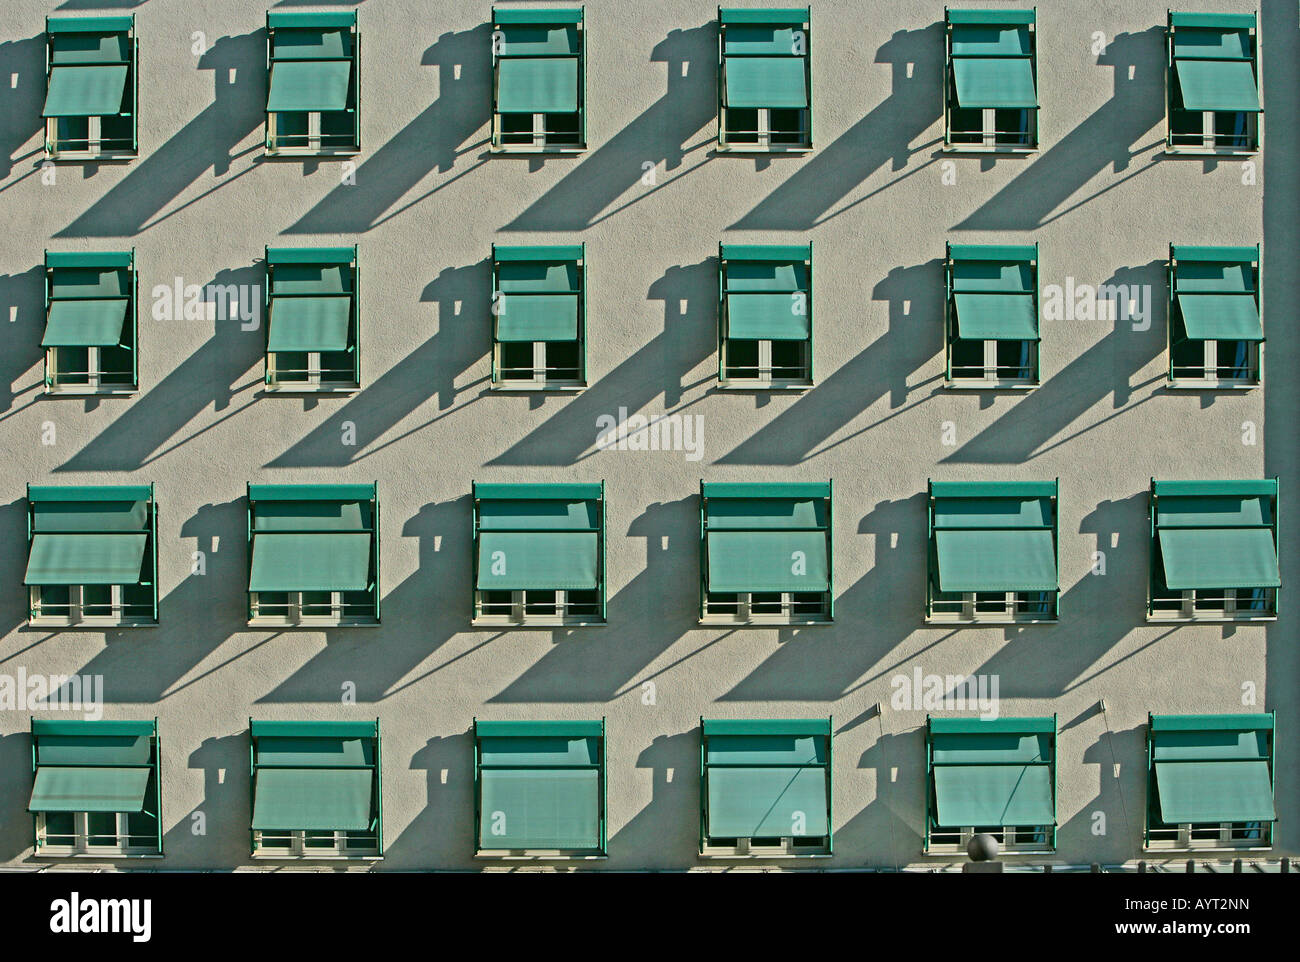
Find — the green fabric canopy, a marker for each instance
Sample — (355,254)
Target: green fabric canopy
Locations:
(309,323)
(997,82)
(993,795)
(768,561)
(95,91)
(85,559)
(73,789)
(540,809)
(1215,791)
(542,560)
(767,317)
(312,799)
(996,317)
(991,560)
(754,39)
(89,323)
(537,85)
(1222,317)
(766,82)
(309,85)
(537,317)
(319,561)
(1218,558)
(1217,85)
(767,802)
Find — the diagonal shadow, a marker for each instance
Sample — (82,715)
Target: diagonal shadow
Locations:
(22,296)
(665,833)
(20,105)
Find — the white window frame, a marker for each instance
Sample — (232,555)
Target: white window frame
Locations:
(1189,612)
(1210,369)
(298,847)
(76,604)
(745,614)
(520,616)
(1179,838)
(990,378)
(785,848)
(295,617)
(541,379)
(81,847)
(766,378)
(970,615)
(1007,846)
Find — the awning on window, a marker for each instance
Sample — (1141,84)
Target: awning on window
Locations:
(309,323)
(313,799)
(308,85)
(537,317)
(767,802)
(523,560)
(75,789)
(768,317)
(1223,317)
(1215,791)
(88,323)
(996,317)
(537,85)
(996,560)
(754,39)
(994,82)
(85,559)
(768,561)
(1217,84)
(317,561)
(1218,558)
(766,82)
(94,91)
(992,795)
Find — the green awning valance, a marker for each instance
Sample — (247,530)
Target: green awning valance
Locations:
(309,85)
(319,561)
(1217,84)
(975,560)
(752,39)
(996,317)
(768,317)
(312,799)
(1222,317)
(768,561)
(85,559)
(996,82)
(1218,558)
(542,560)
(74,789)
(89,323)
(1215,791)
(767,802)
(537,85)
(993,795)
(309,323)
(537,317)
(95,91)
(766,82)
(540,809)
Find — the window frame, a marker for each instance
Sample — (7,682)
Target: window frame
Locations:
(989,143)
(1025,255)
(346,258)
(93,150)
(104,261)
(314,147)
(732,255)
(1208,145)
(1251,260)
(798,19)
(567,254)
(556,18)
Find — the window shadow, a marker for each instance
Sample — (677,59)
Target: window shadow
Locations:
(13,566)
(22,358)
(1122,799)
(20,113)
(442,832)
(665,834)
(893,821)
(17,830)
(223,814)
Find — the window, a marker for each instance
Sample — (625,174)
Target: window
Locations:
(539,318)
(1216,337)
(313,101)
(539,554)
(765,81)
(539,81)
(764,316)
(313,342)
(316,787)
(91,329)
(995,777)
(97,788)
(765,787)
(1212,100)
(91,88)
(313,554)
(765,553)
(1213,551)
(1210,782)
(993,552)
(92,556)
(990,83)
(539,789)
(991,316)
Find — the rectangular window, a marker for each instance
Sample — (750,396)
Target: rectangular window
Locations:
(92,556)
(539,554)
(97,788)
(765,554)
(539,317)
(313,555)
(991,316)
(91,329)
(993,553)
(1212,92)
(1213,551)
(91,88)
(990,85)
(995,777)
(313,101)
(539,81)
(765,787)
(765,81)
(1216,337)
(313,320)
(765,327)
(317,790)
(539,789)
(1210,782)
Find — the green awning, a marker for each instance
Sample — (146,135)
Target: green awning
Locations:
(996,317)
(312,799)
(85,91)
(759,39)
(309,323)
(768,561)
(537,85)
(767,317)
(73,789)
(85,559)
(1000,82)
(1219,791)
(992,795)
(307,85)
(537,317)
(320,561)
(1221,317)
(766,82)
(974,560)
(1219,558)
(543,560)
(539,809)
(767,802)
(91,323)
(1217,85)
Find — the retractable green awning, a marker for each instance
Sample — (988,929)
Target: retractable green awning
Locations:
(1218,558)
(319,561)
(766,82)
(543,560)
(85,559)
(1217,84)
(540,809)
(767,317)
(996,82)
(90,323)
(767,802)
(992,795)
(996,317)
(768,561)
(753,38)
(94,91)
(312,799)
(1223,317)
(309,323)
(974,560)
(537,85)
(309,85)
(1215,791)
(537,317)
(74,789)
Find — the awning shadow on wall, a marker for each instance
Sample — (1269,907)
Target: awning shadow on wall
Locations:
(667,829)
(23,297)
(442,832)
(20,118)
(222,817)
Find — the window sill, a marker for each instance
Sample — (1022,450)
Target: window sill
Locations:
(495,621)
(526,388)
(297,153)
(46,853)
(1238,386)
(1003,852)
(1209,619)
(91,624)
(964,385)
(538,855)
(301,389)
(753,149)
(991,622)
(82,157)
(1005,150)
(1220,847)
(763,622)
(313,623)
(83,390)
(285,857)
(797,387)
(524,150)
(762,854)
(1211,151)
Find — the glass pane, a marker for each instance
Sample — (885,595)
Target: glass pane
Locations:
(742,359)
(101,828)
(516,128)
(787,126)
(563,129)
(516,361)
(97,600)
(789,360)
(742,125)
(562,361)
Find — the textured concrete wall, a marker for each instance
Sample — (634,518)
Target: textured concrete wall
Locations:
(201,202)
